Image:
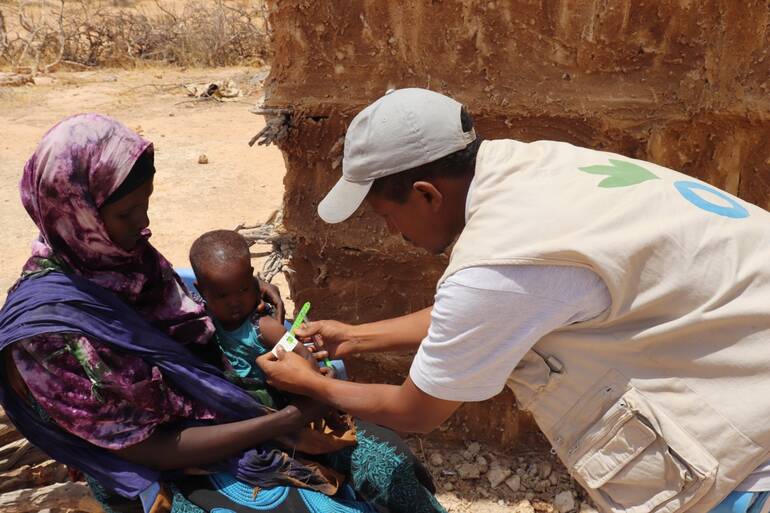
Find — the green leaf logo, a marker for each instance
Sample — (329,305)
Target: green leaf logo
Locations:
(620,174)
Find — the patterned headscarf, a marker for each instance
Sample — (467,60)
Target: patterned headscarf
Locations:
(75,168)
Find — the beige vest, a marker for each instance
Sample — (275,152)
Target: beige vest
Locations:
(663,402)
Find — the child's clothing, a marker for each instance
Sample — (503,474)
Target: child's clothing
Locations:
(242,346)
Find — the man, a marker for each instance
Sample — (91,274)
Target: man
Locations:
(624,303)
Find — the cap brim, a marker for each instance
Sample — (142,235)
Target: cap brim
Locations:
(343,200)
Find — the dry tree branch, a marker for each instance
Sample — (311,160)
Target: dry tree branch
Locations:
(61,38)
(3,35)
(95,33)
(282,244)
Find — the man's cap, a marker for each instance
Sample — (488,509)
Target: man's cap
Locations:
(404,129)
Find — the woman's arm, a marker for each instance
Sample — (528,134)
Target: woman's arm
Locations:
(198,446)
(38,364)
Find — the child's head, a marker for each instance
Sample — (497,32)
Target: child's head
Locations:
(224,276)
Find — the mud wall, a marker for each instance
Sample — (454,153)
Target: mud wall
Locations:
(682,83)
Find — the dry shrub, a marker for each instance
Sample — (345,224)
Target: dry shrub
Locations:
(119,33)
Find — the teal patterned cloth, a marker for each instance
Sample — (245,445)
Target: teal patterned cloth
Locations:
(382,472)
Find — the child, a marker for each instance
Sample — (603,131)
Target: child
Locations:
(225,279)
(378,468)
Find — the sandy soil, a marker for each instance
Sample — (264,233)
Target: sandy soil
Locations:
(239,184)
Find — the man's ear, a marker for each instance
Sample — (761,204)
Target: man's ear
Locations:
(432,196)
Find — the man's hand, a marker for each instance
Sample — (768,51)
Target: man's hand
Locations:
(290,372)
(270,293)
(330,336)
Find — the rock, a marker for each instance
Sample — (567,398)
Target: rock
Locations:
(564,501)
(468,471)
(472,451)
(523,507)
(455,459)
(542,506)
(554,479)
(497,475)
(529,496)
(38,81)
(545,470)
(481,461)
(514,483)
(448,486)
(532,469)
(203,159)
(436,459)
(540,486)
(587,508)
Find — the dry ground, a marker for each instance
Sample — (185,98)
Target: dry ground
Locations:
(239,184)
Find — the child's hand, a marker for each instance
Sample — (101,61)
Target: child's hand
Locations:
(311,353)
(270,293)
(308,353)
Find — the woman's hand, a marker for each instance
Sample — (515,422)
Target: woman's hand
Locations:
(331,336)
(270,293)
(310,410)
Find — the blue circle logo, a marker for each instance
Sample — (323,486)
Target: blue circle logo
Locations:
(688,190)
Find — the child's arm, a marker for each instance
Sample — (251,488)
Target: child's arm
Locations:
(271,331)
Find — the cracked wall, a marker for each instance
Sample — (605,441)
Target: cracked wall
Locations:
(677,82)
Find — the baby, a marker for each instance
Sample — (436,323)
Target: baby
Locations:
(225,279)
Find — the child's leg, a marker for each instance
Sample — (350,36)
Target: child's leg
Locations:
(383,470)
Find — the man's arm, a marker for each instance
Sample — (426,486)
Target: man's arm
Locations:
(341,340)
(404,407)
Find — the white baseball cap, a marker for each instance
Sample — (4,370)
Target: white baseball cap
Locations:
(404,129)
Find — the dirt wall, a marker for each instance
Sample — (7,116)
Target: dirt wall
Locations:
(677,82)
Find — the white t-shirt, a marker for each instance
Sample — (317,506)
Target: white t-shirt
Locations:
(486,318)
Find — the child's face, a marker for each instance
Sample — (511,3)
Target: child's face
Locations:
(230,292)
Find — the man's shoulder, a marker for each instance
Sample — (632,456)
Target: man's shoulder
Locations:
(515,277)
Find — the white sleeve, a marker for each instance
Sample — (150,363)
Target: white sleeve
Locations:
(485,319)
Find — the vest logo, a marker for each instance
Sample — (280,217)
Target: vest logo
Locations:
(620,173)
(624,174)
(734,209)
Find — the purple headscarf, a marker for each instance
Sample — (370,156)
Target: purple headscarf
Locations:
(75,168)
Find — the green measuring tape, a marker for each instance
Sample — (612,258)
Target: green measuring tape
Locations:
(291,339)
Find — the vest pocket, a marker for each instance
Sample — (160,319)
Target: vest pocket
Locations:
(636,460)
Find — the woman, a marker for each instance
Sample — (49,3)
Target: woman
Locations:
(105,357)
